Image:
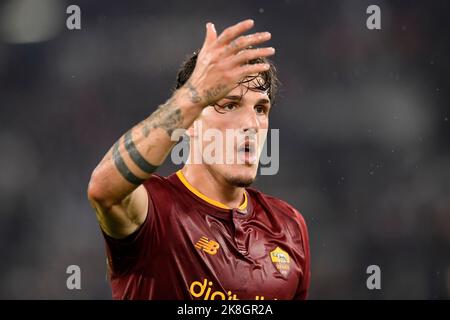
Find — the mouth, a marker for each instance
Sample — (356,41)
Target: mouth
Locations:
(247,152)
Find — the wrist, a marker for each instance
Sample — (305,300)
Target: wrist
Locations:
(189,97)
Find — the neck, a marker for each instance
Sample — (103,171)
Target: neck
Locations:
(213,185)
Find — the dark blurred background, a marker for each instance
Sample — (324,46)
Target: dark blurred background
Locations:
(363,118)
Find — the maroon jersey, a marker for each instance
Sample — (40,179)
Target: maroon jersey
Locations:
(192,247)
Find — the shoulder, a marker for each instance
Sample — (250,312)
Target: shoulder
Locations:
(279,207)
(156,180)
(157,184)
(160,190)
(292,220)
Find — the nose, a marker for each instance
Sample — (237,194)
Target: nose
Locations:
(250,120)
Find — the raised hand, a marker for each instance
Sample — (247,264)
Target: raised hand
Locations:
(223,61)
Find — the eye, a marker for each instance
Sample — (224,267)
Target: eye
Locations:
(229,107)
(261,109)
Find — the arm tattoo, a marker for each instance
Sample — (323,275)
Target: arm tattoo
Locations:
(167,117)
(211,94)
(123,168)
(195,98)
(140,161)
(145,130)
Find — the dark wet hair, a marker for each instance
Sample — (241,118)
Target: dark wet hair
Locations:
(265,81)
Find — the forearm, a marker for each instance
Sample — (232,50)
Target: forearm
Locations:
(139,152)
(221,64)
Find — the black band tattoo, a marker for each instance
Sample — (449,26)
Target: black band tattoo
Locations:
(136,156)
(123,168)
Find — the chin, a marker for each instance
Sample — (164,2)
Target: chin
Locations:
(240,182)
(241,177)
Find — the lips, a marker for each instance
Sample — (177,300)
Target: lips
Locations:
(247,151)
(248,146)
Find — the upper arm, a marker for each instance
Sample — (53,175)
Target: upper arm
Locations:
(122,219)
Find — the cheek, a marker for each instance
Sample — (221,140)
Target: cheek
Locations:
(210,128)
(262,136)
(210,118)
(264,122)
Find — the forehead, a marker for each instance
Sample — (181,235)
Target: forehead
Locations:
(249,88)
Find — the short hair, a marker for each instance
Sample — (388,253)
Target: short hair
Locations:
(266,80)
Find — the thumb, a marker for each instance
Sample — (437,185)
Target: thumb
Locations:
(211,33)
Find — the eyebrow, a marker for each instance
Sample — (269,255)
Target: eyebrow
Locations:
(238,98)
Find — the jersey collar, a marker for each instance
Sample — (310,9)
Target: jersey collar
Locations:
(191,188)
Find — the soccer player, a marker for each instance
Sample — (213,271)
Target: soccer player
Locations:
(202,233)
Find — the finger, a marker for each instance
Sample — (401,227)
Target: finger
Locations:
(244,42)
(211,34)
(232,32)
(250,69)
(249,54)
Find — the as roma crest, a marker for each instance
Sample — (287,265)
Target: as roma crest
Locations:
(281,260)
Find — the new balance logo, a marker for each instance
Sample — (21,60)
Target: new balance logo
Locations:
(209,246)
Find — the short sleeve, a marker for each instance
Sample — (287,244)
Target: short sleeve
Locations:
(124,254)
